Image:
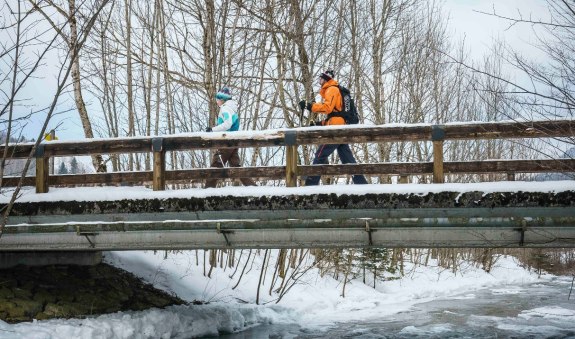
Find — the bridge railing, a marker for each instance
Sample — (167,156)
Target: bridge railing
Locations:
(291,139)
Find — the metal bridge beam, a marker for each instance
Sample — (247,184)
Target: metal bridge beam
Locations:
(294,233)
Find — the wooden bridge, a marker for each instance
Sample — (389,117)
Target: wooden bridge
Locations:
(408,215)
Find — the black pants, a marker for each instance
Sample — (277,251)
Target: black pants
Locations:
(344,152)
(232,157)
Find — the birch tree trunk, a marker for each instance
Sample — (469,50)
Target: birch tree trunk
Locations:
(209,36)
(129,93)
(97,160)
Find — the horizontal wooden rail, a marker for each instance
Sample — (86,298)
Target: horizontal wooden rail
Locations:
(141,145)
(279,172)
(291,138)
(305,136)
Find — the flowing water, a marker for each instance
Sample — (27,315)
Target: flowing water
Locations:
(539,310)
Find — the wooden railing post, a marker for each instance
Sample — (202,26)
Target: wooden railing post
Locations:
(291,159)
(291,166)
(52,159)
(437,136)
(159,175)
(42,169)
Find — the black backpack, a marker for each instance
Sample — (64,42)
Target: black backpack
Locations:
(349,111)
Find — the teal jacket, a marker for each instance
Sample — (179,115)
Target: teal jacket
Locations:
(228,119)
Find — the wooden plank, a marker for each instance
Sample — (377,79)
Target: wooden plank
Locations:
(18,151)
(291,166)
(159,166)
(228,140)
(14,181)
(116,178)
(159,173)
(513,166)
(374,169)
(334,135)
(438,177)
(83,147)
(279,172)
(494,130)
(42,174)
(269,172)
(510,129)
(113,178)
(456,167)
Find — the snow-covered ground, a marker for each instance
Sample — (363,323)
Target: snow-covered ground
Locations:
(314,302)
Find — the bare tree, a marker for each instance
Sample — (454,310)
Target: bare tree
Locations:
(70,16)
(551,87)
(23,72)
(543,88)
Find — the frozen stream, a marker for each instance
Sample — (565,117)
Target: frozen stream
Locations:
(539,310)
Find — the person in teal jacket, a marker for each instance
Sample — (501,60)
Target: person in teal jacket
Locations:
(228,120)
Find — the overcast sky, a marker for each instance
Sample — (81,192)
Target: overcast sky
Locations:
(479,30)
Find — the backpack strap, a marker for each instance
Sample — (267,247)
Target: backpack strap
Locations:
(332,113)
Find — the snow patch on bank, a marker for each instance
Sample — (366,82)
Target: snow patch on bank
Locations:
(172,322)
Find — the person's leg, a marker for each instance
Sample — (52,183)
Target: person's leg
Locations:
(346,157)
(321,155)
(226,155)
(234,158)
(235,162)
(217,161)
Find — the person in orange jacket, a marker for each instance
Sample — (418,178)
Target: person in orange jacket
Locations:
(331,102)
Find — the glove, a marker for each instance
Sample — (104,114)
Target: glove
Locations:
(209,129)
(305,105)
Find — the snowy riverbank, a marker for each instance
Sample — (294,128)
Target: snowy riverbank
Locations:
(314,302)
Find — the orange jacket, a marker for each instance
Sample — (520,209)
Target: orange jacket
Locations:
(332,102)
